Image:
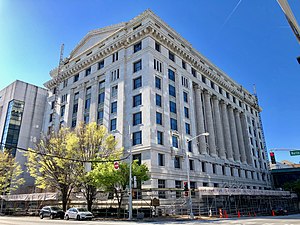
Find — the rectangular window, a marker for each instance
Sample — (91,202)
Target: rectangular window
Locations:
(157,46)
(161,159)
(194,72)
(51,117)
(214,168)
(75,108)
(115,75)
(100,115)
(52,105)
(101,64)
(137,100)
(138,158)
(86,119)
(113,124)
(172,90)
(115,57)
(137,66)
(137,118)
(171,75)
(158,100)
(157,65)
(137,138)
(186,112)
(114,91)
(137,82)
(175,141)
(65,83)
(212,85)
(203,79)
(161,184)
(171,56)
(87,104)
(158,118)
(62,110)
(220,90)
(185,97)
(203,166)
(173,107)
(183,64)
(137,47)
(178,185)
(102,84)
(76,78)
(88,71)
(193,186)
(191,162)
(184,82)
(114,106)
(177,162)
(73,123)
(101,97)
(160,138)
(158,83)
(190,146)
(173,123)
(187,128)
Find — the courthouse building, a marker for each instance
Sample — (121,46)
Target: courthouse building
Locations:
(22,108)
(154,91)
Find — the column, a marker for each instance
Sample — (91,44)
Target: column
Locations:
(240,136)
(219,129)
(94,102)
(81,105)
(248,150)
(210,125)
(200,120)
(234,138)
(226,129)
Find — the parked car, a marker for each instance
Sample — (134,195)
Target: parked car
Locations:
(52,212)
(78,213)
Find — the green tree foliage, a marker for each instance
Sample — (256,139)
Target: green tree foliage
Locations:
(93,142)
(116,181)
(293,186)
(10,171)
(52,168)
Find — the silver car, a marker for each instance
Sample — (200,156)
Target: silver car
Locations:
(78,213)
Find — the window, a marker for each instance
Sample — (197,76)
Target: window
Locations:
(190,146)
(184,82)
(157,65)
(113,124)
(203,79)
(52,105)
(88,71)
(232,171)
(102,84)
(171,75)
(138,158)
(227,95)
(100,64)
(137,47)
(86,119)
(73,123)
(137,66)
(212,85)
(194,72)
(187,128)
(214,168)
(76,78)
(171,56)
(157,46)
(65,83)
(51,117)
(137,138)
(185,97)
(220,90)
(137,82)
(233,99)
(175,141)
(64,98)
(115,57)
(75,108)
(186,112)
(158,83)
(161,159)
(158,100)
(137,100)
(114,106)
(100,115)
(223,170)
(137,118)
(173,123)
(160,138)
(101,97)
(87,104)
(172,90)
(203,167)
(158,118)
(76,96)
(172,107)
(191,162)
(178,184)
(62,110)
(115,75)
(161,184)
(114,91)
(183,64)
(177,162)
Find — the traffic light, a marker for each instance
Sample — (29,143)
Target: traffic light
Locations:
(272,156)
(185,186)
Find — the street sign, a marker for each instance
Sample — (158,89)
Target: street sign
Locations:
(116,165)
(295,152)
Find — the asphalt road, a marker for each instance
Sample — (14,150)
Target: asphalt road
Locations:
(278,220)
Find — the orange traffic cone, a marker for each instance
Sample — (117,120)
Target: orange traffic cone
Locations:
(239,214)
(273,212)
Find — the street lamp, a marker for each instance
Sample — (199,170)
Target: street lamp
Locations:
(188,173)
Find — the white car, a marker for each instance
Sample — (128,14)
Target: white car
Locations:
(78,213)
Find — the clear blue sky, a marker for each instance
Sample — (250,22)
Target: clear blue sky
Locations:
(253,45)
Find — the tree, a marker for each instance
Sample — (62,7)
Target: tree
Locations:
(51,166)
(10,171)
(293,186)
(116,181)
(93,142)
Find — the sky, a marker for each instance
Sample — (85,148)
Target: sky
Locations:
(250,40)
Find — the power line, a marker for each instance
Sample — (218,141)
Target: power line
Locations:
(61,157)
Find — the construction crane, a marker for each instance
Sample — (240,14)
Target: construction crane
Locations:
(56,92)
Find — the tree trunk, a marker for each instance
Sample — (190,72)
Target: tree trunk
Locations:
(91,192)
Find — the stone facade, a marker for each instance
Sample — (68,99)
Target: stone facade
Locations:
(154,91)
(22,107)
